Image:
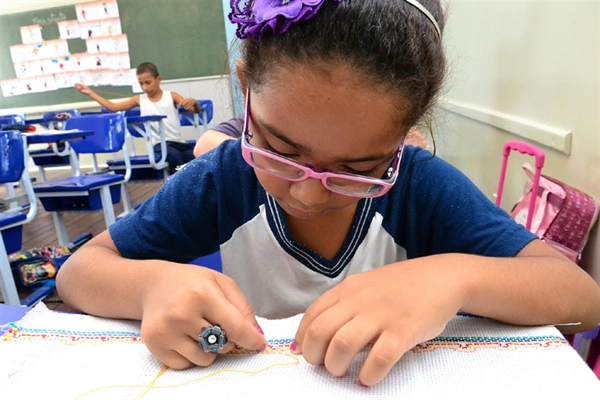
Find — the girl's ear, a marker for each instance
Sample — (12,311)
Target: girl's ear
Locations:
(240,68)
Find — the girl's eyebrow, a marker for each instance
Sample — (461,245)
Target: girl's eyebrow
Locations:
(275,132)
(369,158)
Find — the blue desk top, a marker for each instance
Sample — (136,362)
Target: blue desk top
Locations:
(11,313)
(55,136)
(140,119)
(45,120)
(184,111)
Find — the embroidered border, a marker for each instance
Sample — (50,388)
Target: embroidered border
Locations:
(15,333)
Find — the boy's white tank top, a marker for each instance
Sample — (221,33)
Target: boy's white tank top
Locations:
(164,106)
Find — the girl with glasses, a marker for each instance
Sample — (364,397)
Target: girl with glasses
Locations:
(321,208)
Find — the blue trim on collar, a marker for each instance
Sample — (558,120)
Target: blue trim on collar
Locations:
(308,257)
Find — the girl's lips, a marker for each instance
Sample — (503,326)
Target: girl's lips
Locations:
(301,214)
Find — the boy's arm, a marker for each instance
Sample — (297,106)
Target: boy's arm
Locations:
(189,103)
(109,105)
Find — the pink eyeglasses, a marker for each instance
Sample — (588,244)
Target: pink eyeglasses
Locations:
(337,182)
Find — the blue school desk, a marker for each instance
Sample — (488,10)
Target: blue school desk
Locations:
(52,136)
(144,166)
(11,313)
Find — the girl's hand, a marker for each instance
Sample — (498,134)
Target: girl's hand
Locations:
(396,307)
(82,87)
(183,300)
(188,104)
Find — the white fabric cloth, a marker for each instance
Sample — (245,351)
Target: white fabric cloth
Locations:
(164,106)
(54,355)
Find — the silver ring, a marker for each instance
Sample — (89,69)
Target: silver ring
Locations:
(212,339)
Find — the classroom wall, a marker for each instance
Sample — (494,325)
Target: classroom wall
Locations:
(524,70)
(234,53)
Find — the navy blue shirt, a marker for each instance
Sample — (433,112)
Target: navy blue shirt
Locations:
(216,203)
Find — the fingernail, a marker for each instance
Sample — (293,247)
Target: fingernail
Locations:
(259,329)
(293,346)
(361,384)
(263,348)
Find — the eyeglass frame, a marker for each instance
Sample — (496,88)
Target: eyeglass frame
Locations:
(311,171)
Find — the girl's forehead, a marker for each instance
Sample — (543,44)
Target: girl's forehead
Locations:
(326,109)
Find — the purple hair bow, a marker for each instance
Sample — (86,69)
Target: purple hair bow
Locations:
(253,17)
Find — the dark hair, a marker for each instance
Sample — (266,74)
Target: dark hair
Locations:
(391,42)
(147,67)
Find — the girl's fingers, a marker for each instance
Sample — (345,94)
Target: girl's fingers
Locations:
(194,354)
(176,351)
(316,340)
(347,342)
(385,354)
(236,317)
(235,296)
(314,311)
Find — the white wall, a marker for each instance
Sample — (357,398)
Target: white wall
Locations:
(525,68)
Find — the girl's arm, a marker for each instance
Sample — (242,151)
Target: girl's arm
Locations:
(538,287)
(109,105)
(402,304)
(173,301)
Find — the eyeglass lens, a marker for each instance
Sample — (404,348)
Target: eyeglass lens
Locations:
(336,184)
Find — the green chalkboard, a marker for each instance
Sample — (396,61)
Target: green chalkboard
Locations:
(184,38)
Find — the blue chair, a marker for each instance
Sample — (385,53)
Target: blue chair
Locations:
(144,167)
(187,118)
(58,155)
(212,261)
(9,122)
(56,119)
(12,119)
(13,169)
(89,192)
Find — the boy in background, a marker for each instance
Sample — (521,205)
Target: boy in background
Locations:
(155,101)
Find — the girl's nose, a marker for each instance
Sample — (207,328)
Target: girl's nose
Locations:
(309,192)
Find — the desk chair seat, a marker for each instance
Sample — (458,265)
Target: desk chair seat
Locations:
(13,156)
(52,159)
(93,191)
(143,167)
(12,237)
(9,218)
(83,192)
(46,158)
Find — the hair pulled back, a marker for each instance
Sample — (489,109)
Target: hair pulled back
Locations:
(390,42)
(147,67)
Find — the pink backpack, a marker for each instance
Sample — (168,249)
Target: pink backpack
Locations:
(559,214)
